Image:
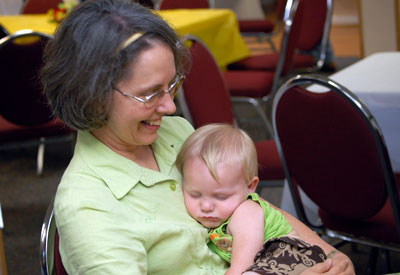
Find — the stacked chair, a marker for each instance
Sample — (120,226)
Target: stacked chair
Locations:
(254,80)
(25,116)
(332,148)
(314,18)
(205,99)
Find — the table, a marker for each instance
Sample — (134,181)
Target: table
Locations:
(376,81)
(218,28)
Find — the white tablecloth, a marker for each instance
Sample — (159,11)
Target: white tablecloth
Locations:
(376,81)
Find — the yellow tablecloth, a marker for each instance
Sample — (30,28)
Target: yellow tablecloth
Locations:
(218,28)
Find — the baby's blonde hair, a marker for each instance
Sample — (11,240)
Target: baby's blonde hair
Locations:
(217,143)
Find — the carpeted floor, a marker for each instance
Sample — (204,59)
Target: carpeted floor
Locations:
(24,197)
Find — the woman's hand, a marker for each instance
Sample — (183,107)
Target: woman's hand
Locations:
(338,264)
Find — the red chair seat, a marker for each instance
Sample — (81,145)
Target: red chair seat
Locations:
(303,61)
(10,132)
(254,84)
(382,226)
(256,26)
(268,62)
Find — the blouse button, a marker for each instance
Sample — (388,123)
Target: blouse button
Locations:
(172,186)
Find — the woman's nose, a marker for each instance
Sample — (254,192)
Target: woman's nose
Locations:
(166,104)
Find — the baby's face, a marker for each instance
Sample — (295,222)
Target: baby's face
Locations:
(208,201)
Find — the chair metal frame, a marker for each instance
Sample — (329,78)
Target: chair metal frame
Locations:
(277,26)
(42,141)
(46,246)
(384,159)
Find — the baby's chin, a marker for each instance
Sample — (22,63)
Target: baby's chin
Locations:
(210,225)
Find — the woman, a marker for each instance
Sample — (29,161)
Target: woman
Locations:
(111,73)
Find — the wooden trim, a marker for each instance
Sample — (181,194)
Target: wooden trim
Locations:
(397,15)
(360,29)
(3,265)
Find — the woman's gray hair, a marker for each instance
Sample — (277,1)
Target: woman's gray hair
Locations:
(85,58)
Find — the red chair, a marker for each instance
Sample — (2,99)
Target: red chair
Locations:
(332,148)
(314,17)
(183,4)
(39,6)
(205,99)
(25,116)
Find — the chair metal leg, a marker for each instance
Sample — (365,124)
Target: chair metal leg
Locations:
(40,156)
(259,110)
(372,260)
(386,261)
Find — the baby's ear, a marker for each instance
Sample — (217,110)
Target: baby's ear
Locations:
(253,184)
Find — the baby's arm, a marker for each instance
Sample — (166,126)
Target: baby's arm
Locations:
(247,229)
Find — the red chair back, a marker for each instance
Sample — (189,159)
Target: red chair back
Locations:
(206,94)
(184,4)
(39,6)
(332,148)
(312,22)
(21,57)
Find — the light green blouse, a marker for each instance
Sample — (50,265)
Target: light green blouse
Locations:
(116,217)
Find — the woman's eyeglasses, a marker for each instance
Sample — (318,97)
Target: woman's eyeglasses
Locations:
(151,100)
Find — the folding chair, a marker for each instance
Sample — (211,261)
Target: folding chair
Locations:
(25,117)
(332,148)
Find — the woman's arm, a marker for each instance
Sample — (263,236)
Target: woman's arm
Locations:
(247,229)
(341,263)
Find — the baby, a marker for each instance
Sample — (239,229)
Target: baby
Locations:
(219,167)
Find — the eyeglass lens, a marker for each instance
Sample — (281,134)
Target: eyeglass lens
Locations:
(171,91)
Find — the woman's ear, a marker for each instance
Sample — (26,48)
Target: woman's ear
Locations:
(253,184)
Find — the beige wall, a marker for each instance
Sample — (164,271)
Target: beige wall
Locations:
(10,6)
(379,30)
